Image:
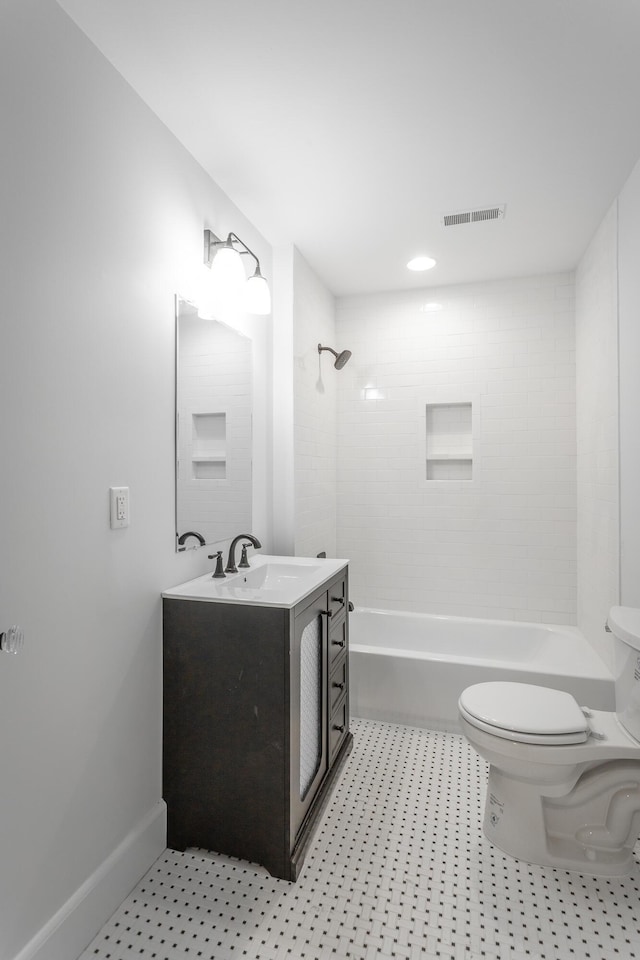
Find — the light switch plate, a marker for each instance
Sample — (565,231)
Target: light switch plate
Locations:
(119,501)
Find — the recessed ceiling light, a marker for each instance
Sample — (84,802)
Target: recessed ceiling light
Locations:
(421,263)
(431,307)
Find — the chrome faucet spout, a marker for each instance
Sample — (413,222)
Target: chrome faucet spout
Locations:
(231,561)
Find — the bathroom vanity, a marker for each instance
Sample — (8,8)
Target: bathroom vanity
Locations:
(256,707)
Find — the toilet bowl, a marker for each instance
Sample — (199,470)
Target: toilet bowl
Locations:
(564,781)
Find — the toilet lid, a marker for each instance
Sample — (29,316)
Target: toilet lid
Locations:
(524,712)
(624,622)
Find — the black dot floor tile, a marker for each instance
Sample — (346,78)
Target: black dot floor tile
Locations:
(399,868)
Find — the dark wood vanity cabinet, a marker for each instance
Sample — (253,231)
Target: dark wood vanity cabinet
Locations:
(256,723)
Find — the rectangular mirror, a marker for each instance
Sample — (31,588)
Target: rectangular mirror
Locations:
(213,429)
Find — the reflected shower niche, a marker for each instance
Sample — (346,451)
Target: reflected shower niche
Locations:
(209,453)
(214,406)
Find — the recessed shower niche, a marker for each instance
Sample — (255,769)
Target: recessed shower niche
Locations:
(449,441)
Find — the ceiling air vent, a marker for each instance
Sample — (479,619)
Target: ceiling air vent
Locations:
(473,216)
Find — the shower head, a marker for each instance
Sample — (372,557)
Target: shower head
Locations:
(341,358)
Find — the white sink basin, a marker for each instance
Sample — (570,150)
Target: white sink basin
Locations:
(273,576)
(272,581)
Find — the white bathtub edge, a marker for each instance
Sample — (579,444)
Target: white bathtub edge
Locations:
(420,688)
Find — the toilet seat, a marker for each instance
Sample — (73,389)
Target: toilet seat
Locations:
(525,713)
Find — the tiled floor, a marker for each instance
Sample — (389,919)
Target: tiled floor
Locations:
(399,868)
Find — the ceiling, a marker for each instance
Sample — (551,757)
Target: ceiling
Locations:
(349,127)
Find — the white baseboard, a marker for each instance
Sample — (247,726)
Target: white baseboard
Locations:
(72,928)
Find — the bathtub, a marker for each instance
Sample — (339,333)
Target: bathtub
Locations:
(411,668)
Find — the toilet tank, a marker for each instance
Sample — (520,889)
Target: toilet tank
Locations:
(624,623)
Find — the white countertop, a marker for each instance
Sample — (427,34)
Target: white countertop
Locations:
(270,581)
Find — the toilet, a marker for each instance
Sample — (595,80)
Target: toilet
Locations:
(564,781)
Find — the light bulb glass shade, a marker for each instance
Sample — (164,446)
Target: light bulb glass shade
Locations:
(257,296)
(227,274)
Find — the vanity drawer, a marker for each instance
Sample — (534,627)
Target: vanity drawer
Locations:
(338,681)
(338,597)
(338,726)
(337,641)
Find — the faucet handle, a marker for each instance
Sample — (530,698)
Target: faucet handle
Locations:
(243,556)
(219,571)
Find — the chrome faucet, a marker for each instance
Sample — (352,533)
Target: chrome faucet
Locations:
(231,561)
(191,533)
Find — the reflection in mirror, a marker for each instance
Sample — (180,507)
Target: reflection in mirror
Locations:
(213,429)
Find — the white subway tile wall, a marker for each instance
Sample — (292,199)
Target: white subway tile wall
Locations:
(315,393)
(502,544)
(598,548)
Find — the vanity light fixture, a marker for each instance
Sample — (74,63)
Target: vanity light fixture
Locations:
(421,263)
(227,270)
(228,282)
(257,297)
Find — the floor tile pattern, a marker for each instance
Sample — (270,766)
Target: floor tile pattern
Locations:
(399,868)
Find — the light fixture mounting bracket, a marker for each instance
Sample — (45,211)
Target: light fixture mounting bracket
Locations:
(211,241)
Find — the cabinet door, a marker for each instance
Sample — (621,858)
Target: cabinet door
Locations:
(308,708)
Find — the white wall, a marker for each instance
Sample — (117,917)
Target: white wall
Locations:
(102,219)
(629,332)
(503,544)
(283,403)
(598,545)
(314,413)
(608,351)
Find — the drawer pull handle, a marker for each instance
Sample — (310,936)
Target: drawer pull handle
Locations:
(337,600)
(339,686)
(326,613)
(338,643)
(340,729)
